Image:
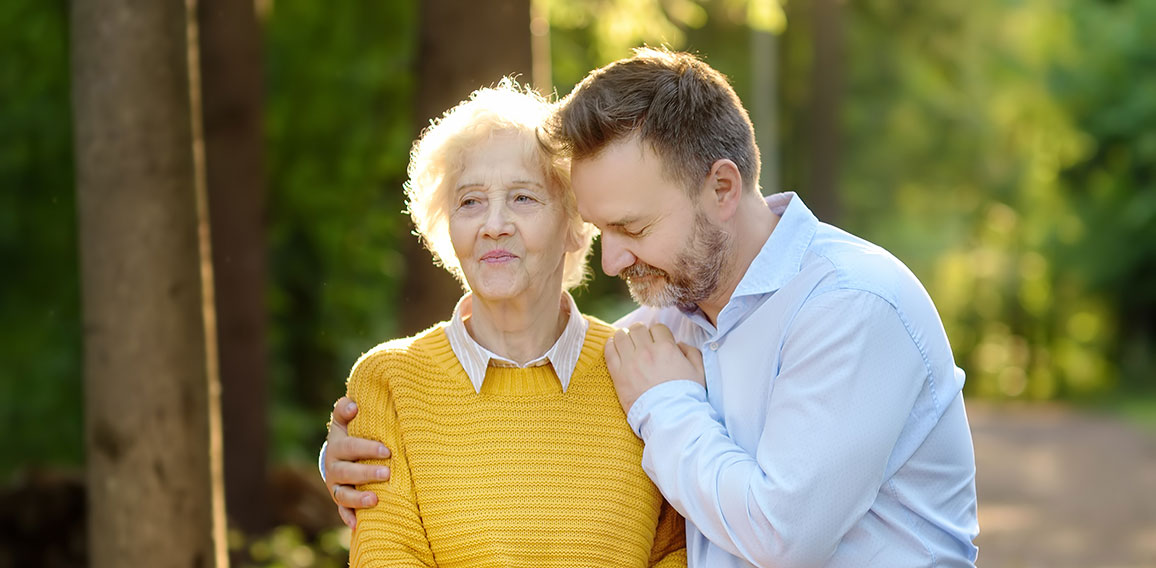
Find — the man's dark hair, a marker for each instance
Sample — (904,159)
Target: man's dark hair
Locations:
(683,108)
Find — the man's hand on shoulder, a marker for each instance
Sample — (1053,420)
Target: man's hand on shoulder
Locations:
(341,470)
(642,357)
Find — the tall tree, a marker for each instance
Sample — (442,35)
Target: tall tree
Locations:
(826,102)
(451,62)
(231,84)
(149,371)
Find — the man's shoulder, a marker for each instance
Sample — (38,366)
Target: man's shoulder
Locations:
(849,262)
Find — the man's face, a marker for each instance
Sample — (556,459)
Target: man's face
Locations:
(653,234)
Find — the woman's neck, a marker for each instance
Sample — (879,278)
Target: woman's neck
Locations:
(521,329)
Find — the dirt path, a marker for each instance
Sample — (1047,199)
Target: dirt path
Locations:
(1063,488)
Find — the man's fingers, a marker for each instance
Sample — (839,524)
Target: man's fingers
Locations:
(351,473)
(354,449)
(611,354)
(621,341)
(661,333)
(348,517)
(693,355)
(639,335)
(350,497)
(343,412)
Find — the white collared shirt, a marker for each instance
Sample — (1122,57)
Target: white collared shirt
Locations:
(475,359)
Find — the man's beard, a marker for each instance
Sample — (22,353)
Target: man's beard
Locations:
(697,271)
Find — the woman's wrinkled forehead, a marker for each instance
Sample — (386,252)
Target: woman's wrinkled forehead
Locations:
(529,154)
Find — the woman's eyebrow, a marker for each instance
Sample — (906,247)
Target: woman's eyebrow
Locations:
(472,184)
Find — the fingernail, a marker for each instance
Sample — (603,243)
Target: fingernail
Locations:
(383,473)
(367,501)
(383,451)
(351,407)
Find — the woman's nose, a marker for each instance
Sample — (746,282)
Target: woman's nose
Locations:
(498,221)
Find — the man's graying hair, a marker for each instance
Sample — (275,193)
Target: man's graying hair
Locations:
(683,108)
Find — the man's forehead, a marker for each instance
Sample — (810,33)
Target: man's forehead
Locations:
(617,209)
(630,147)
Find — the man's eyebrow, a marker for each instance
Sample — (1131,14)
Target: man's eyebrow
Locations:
(624,221)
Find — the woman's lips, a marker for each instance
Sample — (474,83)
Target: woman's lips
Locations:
(497,256)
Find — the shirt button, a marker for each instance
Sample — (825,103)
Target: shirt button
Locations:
(714,346)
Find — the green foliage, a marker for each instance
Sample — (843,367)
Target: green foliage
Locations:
(1113,187)
(288,547)
(993,154)
(40,350)
(339,128)
(590,33)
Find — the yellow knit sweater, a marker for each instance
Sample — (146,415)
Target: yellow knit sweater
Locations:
(518,475)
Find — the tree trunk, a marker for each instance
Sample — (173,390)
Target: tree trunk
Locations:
(764,111)
(543,74)
(464,45)
(826,102)
(149,367)
(234,168)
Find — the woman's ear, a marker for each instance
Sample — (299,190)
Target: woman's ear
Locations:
(573,239)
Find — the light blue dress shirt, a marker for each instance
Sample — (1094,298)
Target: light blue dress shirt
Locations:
(832,429)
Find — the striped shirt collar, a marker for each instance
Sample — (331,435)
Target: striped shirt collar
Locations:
(563,355)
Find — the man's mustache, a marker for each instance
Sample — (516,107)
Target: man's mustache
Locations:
(641,270)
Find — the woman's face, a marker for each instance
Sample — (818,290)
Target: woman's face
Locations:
(507,226)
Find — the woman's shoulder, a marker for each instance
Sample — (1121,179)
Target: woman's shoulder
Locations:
(415,349)
(598,333)
(597,329)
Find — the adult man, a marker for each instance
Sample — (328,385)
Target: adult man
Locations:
(831,429)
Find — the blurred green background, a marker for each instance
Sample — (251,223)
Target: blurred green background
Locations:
(1004,149)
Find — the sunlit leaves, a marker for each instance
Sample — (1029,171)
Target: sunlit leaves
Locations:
(616,26)
(986,130)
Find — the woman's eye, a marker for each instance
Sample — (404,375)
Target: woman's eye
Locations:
(523,199)
(468,202)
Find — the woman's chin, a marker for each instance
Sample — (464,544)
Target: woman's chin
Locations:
(499,291)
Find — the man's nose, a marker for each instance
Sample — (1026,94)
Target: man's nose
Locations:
(616,257)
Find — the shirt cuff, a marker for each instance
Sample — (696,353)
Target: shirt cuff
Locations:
(670,395)
(321,460)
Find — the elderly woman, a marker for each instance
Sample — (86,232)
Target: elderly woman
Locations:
(509,446)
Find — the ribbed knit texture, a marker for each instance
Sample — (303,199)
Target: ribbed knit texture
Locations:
(518,475)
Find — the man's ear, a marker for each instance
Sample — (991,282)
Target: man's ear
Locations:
(726,187)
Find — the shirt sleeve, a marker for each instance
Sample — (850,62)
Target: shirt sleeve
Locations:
(390,533)
(848,378)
